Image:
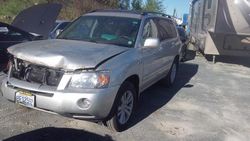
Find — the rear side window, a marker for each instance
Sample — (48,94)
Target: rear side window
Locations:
(166,29)
(173,28)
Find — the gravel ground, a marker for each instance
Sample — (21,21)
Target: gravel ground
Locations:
(208,102)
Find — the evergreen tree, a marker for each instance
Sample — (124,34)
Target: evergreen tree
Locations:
(137,5)
(124,4)
(154,6)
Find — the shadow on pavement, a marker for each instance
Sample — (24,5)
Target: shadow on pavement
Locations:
(59,134)
(158,95)
(239,60)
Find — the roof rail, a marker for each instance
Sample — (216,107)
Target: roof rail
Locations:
(132,12)
(115,10)
(157,13)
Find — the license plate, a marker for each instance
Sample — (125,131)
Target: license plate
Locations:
(25,98)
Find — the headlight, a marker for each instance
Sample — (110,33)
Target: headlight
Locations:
(90,80)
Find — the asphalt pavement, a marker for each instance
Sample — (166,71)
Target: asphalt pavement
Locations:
(208,102)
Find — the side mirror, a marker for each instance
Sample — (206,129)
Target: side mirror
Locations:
(4,29)
(58,31)
(151,43)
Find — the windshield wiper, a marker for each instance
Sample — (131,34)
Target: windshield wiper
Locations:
(112,43)
(65,38)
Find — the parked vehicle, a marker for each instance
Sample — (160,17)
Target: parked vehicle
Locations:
(31,24)
(221,27)
(58,28)
(97,68)
(184,40)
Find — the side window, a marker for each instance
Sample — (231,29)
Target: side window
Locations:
(209,4)
(165,29)
(149,30)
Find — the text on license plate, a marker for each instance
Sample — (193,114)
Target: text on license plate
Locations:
(25,98)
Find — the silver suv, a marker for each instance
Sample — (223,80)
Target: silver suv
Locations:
(97,68)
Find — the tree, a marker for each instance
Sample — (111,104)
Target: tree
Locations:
(154,6)
(124,4)
(137,5)
(74,8)
(71,8)
(10,8)
(83,6)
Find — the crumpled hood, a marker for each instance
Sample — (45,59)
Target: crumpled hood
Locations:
(65,54)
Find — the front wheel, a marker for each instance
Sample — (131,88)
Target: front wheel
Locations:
(123,108)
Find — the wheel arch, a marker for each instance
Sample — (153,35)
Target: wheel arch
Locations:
(135,80)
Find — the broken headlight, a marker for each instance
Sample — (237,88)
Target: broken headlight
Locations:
(90,80)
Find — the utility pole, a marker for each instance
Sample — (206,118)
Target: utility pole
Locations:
(174,13)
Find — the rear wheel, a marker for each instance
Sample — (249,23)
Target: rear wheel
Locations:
(123,108)
(183,53)
(169,80)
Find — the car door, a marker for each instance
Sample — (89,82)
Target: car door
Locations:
(169,44)
(150,56)
(176,43)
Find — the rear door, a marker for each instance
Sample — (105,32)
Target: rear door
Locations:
(169,43)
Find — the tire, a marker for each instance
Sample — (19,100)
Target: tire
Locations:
(120,119)
(169,80)
(184,53)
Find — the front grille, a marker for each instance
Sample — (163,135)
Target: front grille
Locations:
(35,74)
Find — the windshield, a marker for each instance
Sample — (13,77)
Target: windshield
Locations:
(103,29)
(55,25)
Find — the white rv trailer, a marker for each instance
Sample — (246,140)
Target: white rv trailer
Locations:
(221,27)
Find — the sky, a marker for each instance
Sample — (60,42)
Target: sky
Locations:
(182,7)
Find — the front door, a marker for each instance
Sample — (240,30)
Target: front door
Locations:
(150,56)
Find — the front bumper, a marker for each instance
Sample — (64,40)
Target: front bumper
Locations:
(64,102)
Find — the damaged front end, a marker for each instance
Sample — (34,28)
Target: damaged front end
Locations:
(58,91)
(32,73)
